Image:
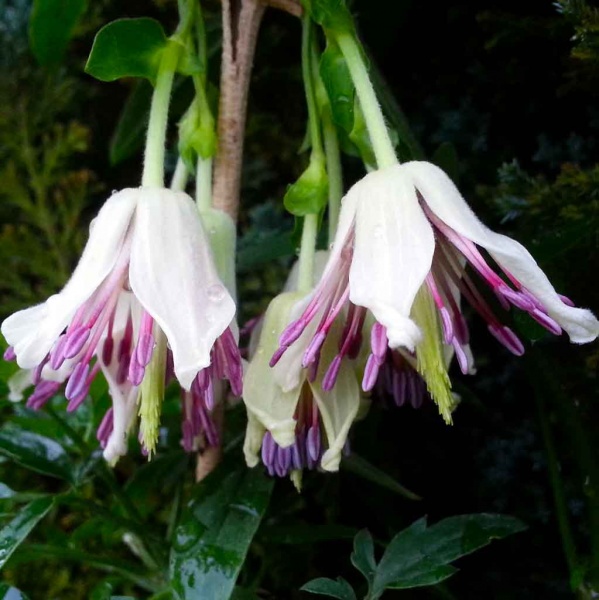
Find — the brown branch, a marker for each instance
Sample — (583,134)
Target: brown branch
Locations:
(293,7)
(241,22)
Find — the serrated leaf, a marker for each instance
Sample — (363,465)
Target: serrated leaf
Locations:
(36,452)
(127,48)
(339,86)
(13,534)
(329,587)
(215,531)
(363,555)
(420,556)
(51,26)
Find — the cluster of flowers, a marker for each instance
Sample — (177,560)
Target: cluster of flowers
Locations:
(145,304)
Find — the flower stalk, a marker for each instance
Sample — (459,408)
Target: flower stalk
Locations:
(153,171)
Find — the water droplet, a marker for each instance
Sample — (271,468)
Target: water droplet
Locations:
(331,246)
(187,535)
(378,231)
(213,231)
(215,292)
(113,192)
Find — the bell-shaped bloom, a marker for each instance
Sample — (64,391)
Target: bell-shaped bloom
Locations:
(146,271)
(407,228)
(302,427)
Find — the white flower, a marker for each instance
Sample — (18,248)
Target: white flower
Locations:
(147,271)
(404,228)
(301,427)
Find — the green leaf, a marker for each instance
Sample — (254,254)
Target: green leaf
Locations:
(363,556)
(309,194)
(215,531)
(19,528)
(7,493)
(362,468)
(129,134)
(420,556)
(127,48)
(36,452)
(339,85)
(51,26)
(331,14)
(329,587)
(7,592)
(446,157)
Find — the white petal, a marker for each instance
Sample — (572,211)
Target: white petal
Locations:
(338,410)
(263,396)
(172,274)
(447,203)
(393,251)
(124,401)
(33,331)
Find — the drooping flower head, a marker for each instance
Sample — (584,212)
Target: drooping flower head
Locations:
(301,426)
(404,239)
(145,288)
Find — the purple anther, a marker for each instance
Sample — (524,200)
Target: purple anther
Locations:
(268,450)
(461,358)
(371,373)
(566,300)
(314,348)
(447,323)
(416,390)
(296,456)
(236,378)
(76,401)
(292,333)
(188,436)
(208,397)
(75,340)
(283,461)
(123,370)
(313,443)
(378,341)
(546,321)
(9,354)
(518,299)
(37,372)
(105,428)
(144,349)
(328,382)
(276,357)
(136,371)
(57,356)
(107,350)
(399,388)
(43,391)
(508,338)
(202,380)
(462,333)
(77,382)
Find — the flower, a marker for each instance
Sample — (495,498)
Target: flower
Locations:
(404,239)
(145,288)
(301,427)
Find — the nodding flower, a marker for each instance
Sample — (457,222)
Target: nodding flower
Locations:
(405,231)
(146,274)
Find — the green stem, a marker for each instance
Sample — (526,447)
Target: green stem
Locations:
(373,115)
(307,252)
(334,172)
(180,176)
(204,184)
(153,172)
(313,120)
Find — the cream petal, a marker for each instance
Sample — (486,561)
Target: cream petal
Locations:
(33,331)
(338,410)
(393,251)
(264,398)
(253,440)
(172,274)
(444,199)
(18,382)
